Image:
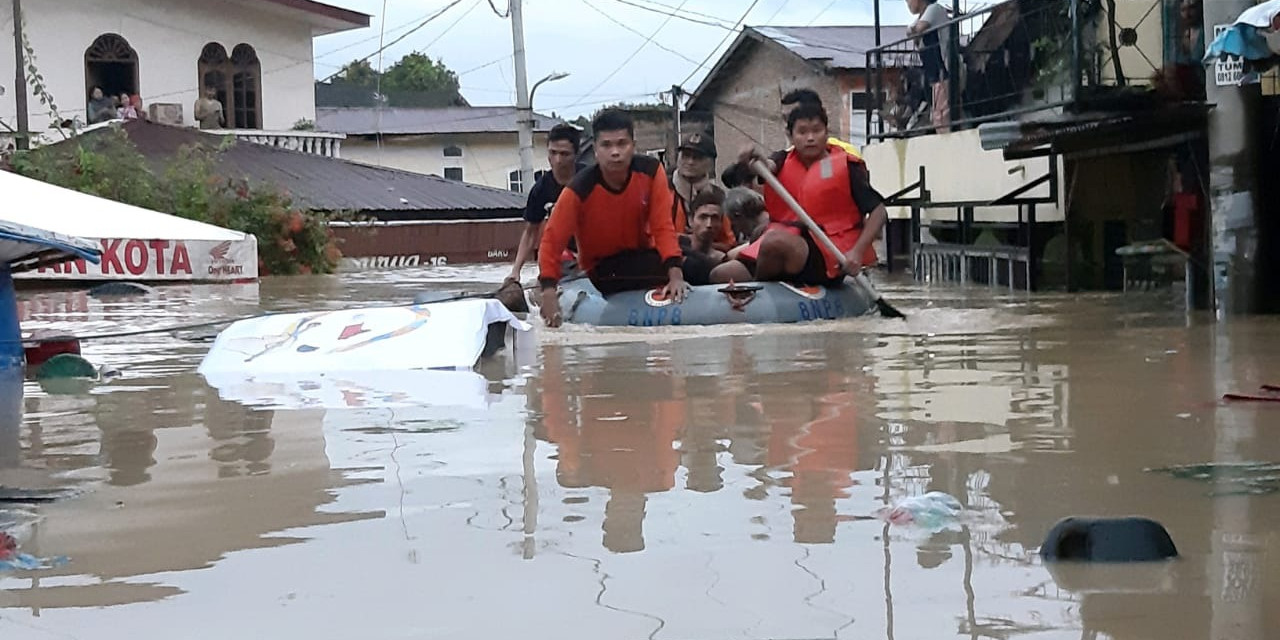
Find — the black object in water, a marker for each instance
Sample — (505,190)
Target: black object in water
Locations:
(1128,539)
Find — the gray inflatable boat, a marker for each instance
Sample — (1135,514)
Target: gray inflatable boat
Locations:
(754,302)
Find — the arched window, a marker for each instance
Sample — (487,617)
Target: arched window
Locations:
(246,84)
(112,65)
(453,151)
(237,79)
(215,71)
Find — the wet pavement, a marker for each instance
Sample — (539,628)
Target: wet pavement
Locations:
(686,484)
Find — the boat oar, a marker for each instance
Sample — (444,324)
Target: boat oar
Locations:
(887,310)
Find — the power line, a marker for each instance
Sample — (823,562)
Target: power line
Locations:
(624,26)
(640,48)
(487,64)
(823,12)
(722,42)
(680,10)
(406,34)
(682,16)
(499,13)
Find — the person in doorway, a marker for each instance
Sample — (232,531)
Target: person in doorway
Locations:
(619,211)
(832,186)
(931,15)
(694,174)
(562,153)
(101,108)
(208,110)
(705,225)
(126,111)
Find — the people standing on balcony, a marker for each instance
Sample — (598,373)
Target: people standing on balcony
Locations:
(931,15)
(208,110)
(834,188)
(101,108)
(126,111)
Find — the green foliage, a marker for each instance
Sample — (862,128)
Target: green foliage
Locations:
(647,112)
(106,164)
(415,80)
(304,124)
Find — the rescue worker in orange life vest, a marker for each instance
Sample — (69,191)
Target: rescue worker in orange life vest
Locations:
(832,185)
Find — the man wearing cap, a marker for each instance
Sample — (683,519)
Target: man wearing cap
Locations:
(693,174)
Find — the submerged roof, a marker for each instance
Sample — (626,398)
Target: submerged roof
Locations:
(424,121)
(332,184)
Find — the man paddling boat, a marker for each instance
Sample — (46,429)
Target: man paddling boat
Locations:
(832,185)
(619,211)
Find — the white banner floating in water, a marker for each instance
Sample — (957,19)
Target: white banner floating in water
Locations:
(446,335)
(353,389)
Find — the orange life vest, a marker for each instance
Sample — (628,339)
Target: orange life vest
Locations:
(823,190)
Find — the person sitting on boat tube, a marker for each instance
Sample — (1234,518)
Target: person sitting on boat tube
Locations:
(831,184)
(619,211)
(562,155)
(706,227)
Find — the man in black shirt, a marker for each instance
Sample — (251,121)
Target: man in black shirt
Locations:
(562,154)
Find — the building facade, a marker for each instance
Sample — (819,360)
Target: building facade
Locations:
(477,145)
(257,54)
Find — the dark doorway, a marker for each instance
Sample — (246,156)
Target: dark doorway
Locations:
(110,63)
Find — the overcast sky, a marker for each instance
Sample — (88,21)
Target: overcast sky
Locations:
(575,36)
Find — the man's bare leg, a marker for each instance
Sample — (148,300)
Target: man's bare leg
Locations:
(782,255)
(731,271)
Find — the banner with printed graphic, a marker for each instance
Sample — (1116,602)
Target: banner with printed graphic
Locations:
(161,260)
(425,336)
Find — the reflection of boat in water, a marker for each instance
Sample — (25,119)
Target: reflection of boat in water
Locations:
(762,302)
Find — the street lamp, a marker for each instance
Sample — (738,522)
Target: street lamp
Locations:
(551,77)
(525,116)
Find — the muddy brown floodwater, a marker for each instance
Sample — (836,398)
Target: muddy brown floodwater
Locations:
(678,485)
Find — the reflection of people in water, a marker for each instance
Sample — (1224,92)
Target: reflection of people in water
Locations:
(818,444)
(622,439)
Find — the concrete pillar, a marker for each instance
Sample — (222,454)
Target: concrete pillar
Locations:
(1232,196)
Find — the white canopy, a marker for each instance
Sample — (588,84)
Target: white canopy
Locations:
(137,243)
(46,206)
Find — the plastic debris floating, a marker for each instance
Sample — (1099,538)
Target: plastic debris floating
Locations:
(13,560)
(1229,478)
(934,510)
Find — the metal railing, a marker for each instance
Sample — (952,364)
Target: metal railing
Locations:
(1008,59)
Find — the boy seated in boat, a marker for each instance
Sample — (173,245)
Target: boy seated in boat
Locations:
(619,211)
(706,226)
(831,184)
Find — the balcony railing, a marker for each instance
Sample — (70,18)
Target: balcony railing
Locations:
(1024,56)
(317,143)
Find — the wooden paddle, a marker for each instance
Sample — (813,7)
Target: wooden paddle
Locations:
(887,310)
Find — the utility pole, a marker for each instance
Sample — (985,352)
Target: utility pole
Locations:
(524,103)
(20,79)
(1233,165)
(674,149)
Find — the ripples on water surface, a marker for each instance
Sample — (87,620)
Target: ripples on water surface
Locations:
(686,485)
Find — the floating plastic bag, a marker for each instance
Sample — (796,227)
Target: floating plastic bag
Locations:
(934,510)
(12,560)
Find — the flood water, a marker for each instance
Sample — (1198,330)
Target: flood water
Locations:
(677,484)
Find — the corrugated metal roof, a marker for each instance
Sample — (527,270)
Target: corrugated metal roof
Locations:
(331,184)
(424,121)
(840,47)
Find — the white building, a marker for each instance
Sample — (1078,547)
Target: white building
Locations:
(478,145)
(256,53)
